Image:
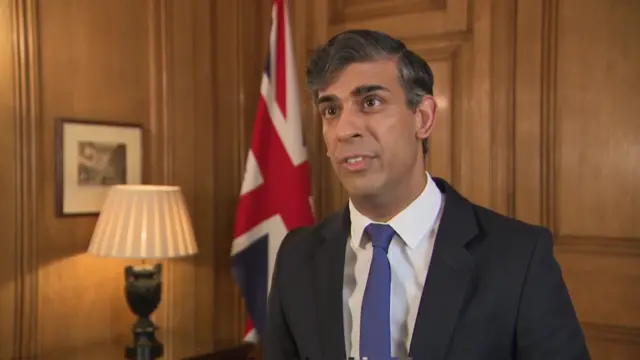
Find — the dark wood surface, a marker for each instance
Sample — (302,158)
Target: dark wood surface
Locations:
(175,348)
(241,352)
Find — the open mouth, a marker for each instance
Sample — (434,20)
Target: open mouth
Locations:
(356,163)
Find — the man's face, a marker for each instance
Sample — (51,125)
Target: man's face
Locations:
(373,139)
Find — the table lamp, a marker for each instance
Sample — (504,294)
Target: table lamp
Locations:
(143,222)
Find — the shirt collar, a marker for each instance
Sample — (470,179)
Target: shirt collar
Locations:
(411,224)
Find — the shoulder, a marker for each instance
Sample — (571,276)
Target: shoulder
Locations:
(487,222)
(494,222)
(515,237)
(302,242)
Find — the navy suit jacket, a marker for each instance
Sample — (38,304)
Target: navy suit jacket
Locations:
(494,291)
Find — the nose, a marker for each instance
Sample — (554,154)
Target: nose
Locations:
(348,126)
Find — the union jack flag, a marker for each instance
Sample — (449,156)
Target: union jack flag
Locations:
(276,189)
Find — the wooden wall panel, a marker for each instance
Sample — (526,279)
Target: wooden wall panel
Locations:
(10,262)
(83,73)
(203,324)
(186,128)
(576,156)
(145,62)
(350,10)
(189,71)
(595,135)
(404,18)
(25,107)
(240,35)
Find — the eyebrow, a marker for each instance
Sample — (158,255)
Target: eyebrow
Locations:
(358,91)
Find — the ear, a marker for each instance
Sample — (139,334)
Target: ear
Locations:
(425,117)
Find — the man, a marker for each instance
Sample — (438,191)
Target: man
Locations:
(409,268)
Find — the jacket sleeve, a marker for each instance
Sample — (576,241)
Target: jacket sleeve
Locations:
(278,342)
(548,328)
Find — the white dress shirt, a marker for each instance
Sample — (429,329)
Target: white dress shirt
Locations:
(409,254)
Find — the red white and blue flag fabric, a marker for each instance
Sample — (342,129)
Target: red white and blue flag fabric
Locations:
(276,190)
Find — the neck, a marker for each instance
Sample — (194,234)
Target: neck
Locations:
(382,208)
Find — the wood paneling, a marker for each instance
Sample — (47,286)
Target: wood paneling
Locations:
(349,10)
(143,62)
(10,260)
(402,18)
(81,51)
(535,120)
(577,144)
(240,38)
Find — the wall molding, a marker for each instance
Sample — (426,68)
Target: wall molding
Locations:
(503,72)
(344,10)
(230,151)
(616,246)
(27,118)
(612,333)
(549,113)
(439,47)
(160,145)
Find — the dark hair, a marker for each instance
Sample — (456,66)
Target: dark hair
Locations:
(353,46)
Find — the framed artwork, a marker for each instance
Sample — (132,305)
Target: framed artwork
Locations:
(91,156)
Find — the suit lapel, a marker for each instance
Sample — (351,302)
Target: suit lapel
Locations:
(448,278)
(329,272)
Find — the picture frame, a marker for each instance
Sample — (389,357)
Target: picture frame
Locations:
(91,156)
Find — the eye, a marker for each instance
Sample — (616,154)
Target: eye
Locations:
(371,102)
(329,111)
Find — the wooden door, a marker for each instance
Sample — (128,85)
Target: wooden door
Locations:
(578,155)
(470,142)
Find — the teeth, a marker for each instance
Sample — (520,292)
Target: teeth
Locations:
(354,160)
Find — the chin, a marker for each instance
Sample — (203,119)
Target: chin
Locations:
(361,187)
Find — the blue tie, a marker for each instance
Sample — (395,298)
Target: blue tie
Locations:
(375,323)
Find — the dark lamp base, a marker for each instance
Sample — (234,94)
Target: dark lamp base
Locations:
(143,290)
(141,352)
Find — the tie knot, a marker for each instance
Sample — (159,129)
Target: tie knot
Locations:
(381,235)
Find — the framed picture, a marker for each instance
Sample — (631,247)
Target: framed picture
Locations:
(91,156)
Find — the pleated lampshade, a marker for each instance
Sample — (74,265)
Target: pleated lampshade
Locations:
(143,222)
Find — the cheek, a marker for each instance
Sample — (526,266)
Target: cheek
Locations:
(384,127)
(395,134)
